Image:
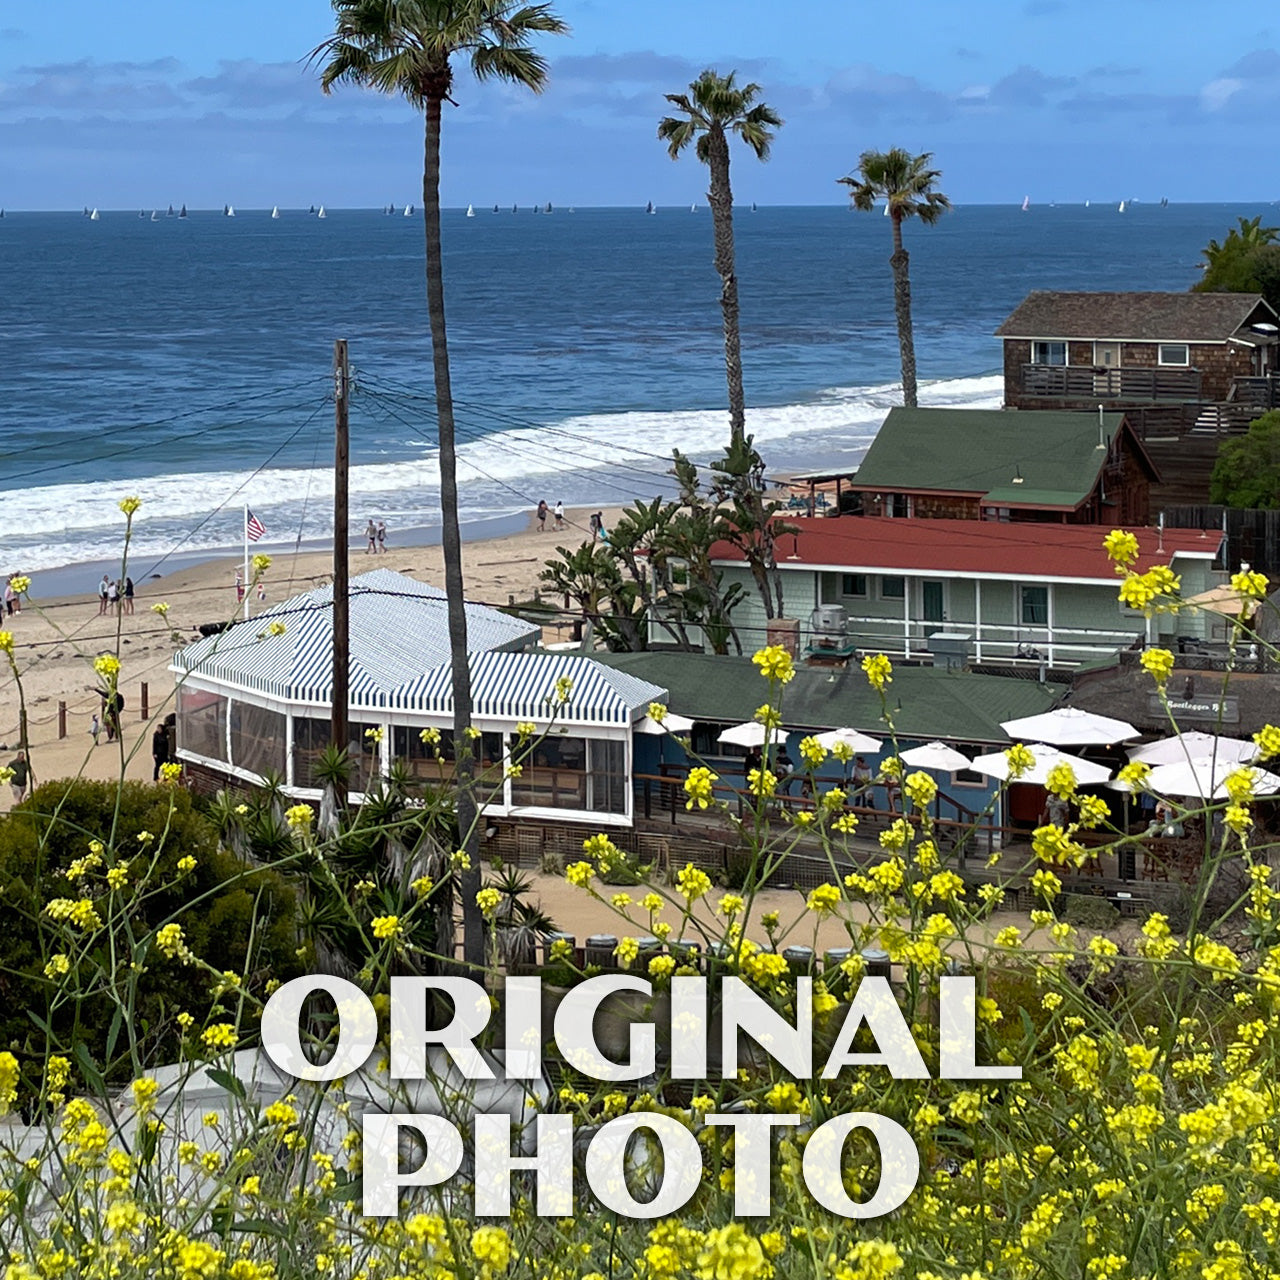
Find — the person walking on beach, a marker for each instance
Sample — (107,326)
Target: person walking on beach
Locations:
(21,776)
(597,526)
(542,515)
(95,728)
(104,591)
(371,533)
(559,515)
(112,706)
(382,537)
(9,594)
(128,595)
(239,586)
(159,750)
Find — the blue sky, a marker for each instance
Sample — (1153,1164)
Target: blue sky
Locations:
(151,103)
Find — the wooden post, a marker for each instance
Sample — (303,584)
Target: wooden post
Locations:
(62,719)
(145,710)
(341,587)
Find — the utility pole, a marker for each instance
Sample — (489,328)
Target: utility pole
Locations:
(341,587)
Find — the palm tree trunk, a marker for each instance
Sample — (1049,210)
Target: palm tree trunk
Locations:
(451,538)
(902,307)
(721,198)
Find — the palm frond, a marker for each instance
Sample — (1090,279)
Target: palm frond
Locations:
(717,102)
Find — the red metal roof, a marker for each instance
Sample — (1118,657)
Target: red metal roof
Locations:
(970,547)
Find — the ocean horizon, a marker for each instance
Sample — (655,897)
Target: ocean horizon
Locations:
(188,360)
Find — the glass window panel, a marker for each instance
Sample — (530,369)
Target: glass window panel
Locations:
(257,738)
(853,584)
(202,723)
(1174,353)
(608,776)
(1049,353)
(893,588)
(554,775)
(437,762)
(1035,606)
(312,735)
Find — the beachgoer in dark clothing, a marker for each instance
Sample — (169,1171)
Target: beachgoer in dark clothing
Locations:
(542,515)
(382,536)
(128,595)
(371,533)
(112,706)
(21,775)
(159,750)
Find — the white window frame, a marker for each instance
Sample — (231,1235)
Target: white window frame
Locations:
(1184,363)
(1021,605)
(897,577)
(1039,343)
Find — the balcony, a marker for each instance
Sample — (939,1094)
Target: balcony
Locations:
(1085,382)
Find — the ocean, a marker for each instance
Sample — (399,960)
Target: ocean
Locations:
(188,360)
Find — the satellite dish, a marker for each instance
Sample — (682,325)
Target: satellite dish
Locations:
(1265,327)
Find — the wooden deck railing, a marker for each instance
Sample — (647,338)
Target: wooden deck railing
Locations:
(1086,382)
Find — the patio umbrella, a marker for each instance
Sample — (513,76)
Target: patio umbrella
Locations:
(670,723)
(936,755)
(1046,757)
(850,738)
(750,734)
(1203,779)
(1225,601)
(1070,727)
(1194,745)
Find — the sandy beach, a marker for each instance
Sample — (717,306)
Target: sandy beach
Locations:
(56,640)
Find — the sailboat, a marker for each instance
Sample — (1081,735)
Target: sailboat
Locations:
(471,212)
(1026,203)
(228,211)
(275,210)
(1086,204)
(515,208)
(170,213)
(86,211)
(548,208)
(155,217)
(311,211)
(142,213)
(93,217)
(182,213)
(320,213)
(1164,202)
(495,208)
(1121,208)
(693,208)
(408,211)
(649,208)
(753,206)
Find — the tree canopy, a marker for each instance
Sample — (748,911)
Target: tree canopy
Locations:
(1246,261)
(1247,472)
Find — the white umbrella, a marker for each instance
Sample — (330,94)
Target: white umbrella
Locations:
(1086,772)
(1070,727)
(1204,779)
(850,738)
(936,755)
(750,734)
(670,723)
(1194,745)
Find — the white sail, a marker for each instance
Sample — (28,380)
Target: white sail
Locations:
(471,213)
(320,213)
(275,210)
(1026,203)
(155,217)
(408,211)
(93,217)
(693,208)
(1121,209)
(231,211)
(886,208)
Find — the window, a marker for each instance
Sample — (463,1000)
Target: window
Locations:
(1048,353)
(853,585)
(574,773)
(996,513)
(312,736)
(1175,353)
(1033,606)
(202,723)
(970,777)
(893,588)
(257,739)
(434,762)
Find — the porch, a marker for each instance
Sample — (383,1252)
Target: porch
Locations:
(1093,383)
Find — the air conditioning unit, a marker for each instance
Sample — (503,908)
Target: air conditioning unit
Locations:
(829,625)
(950,649)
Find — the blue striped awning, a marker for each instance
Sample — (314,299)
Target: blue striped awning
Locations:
(399,630)
(522,686)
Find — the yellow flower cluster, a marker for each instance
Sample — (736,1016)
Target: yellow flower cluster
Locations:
(698,787)
(878,670)
(1158,664)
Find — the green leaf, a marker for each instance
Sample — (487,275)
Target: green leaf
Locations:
(353,1189)
(41,1023)
(113,1034)
(261,1227)
(89,1069)
(232,1084)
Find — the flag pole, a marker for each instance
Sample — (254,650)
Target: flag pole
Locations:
(244,582)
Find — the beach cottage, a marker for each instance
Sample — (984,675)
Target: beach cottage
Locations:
(987,464)
(254,704)
(987,591)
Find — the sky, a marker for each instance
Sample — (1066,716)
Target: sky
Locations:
(156,102)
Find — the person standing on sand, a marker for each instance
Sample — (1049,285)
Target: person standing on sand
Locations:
(542,515)
(104,590)
(159,750)
(559,515)
(95,728)
(371,533)
(8,598)
(239,586)
(128,595)
(21,775)
(382,537)
(113,595)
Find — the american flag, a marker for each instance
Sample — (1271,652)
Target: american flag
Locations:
(253,527)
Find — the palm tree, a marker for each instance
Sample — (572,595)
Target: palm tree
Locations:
(713,108)
(905,182)
(407,47)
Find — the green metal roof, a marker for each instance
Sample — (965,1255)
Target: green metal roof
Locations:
(981,450)
(1017,495)
(958,706)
